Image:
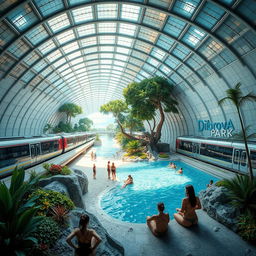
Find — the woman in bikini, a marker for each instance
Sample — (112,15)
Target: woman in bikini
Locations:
(186,216)
(87,239)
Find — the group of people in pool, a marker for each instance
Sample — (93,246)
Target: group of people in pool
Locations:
(174,166)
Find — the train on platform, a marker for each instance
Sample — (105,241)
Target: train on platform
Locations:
(230,155)
(26,152)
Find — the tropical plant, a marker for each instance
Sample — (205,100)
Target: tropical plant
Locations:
(17,217)
(60,214)
(235,96)
(62,127)
(47,233)
(242,193)
(144,100)
(247,227)
(55,169)
(163,155)
(71,110)
(47,128)
(46,199)
(133,146)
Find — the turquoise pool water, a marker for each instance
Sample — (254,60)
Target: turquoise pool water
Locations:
(153,182)
(108,149)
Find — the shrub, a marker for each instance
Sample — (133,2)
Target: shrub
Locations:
(221,183)
(247,227)
(47,233)
(55,169)
(17,218)
(242,193)
(144,156)
(47,199)
(60,214)
(163,155)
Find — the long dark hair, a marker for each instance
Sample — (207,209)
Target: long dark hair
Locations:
(84,220)
(191,195)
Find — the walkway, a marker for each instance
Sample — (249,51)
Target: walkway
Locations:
(201,240)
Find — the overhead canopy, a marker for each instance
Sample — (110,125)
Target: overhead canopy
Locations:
(86,52)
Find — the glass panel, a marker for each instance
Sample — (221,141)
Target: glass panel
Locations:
(75,2)
(174,26)
(165,42)
(181,51)
(40,65)
(37,35)
(172,62)
(127,29)
(106,39)
(5,4)
(65,37)
(185,8)
(143,46)
(6,35)
(248,10)
(54,56)
(27,76)
(124,41)
(130,12)
(47,7)
(70,47)
(159,54)
(107,11)
(18,48)
(82,14)
(162,3)
(154,18)
(22,17)
(86,30)
(47,47)
(209,15)
(210,48)
(59,23)
(31,58)
(195,62)
(6,62)
(148,34)
(107,27)
(193,36)
(184,71)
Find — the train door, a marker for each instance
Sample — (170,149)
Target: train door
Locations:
(240,160)
(195,149)
(35,152)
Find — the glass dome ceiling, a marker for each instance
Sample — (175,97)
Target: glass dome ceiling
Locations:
(86,51)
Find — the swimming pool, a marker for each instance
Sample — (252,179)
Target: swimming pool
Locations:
(108,148)
(153,182)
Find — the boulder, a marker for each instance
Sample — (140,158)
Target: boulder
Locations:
(57,186)
(215,202)
(71,182)
(82,179)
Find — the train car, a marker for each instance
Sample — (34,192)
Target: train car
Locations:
(26,152)
(228,154)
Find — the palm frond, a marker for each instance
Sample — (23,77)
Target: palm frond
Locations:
(249,97)
(220,102)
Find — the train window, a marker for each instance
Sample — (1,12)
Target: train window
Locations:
(253,158)
(243,158)
(186,145)
(236,157)
(217,152)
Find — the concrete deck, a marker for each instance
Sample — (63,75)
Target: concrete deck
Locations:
(200,240)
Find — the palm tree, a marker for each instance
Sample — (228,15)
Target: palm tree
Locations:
(236,97)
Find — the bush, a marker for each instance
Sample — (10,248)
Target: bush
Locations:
(163,155)
(247,227)
(55,169)
(144,156)
(221,183)
(48,199)
(60,214)
(47,233)
(242,193)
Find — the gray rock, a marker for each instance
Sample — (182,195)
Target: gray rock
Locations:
(216,229)
(83,180)
(71,183)
(57,186)
(108,246)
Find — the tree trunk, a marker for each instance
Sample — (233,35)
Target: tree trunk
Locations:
(157,135)
(246,145)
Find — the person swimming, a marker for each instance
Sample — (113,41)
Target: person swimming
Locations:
(158,224)
(172,165)
(180,171)
(88,239)
(186,216)
(128,181)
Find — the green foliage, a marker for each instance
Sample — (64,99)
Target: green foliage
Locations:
(71,110)
(47,233)
(247,227)
(17,218)
(163,155)
(47,199)
(143,156)
(47,128)
(116,107)
(242,193)
(62,127)
(60,214)
(122,140)
(55,169)
(220,183)
(133,146)
(84,124)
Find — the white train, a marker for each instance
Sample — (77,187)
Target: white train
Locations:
(26,152)
(228,154)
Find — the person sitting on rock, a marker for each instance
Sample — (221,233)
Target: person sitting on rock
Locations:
(128,181)
(158,224)
(88,239)
(186,216)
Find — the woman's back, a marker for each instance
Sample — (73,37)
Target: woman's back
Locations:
(189,210)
